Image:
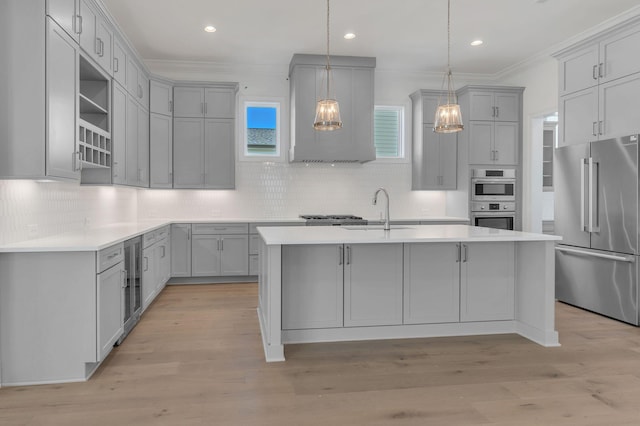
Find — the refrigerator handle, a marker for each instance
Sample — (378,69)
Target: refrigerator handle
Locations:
(594,225)
(628,259)
(582,190)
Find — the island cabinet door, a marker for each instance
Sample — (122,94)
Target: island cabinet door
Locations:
(487,281)
(312,286)
(431,283)
(372,284)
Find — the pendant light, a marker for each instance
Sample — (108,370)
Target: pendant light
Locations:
(448,117)
(327,109)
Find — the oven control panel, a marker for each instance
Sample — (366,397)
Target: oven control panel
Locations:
(477,206)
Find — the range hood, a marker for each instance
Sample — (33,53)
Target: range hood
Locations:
(353,86)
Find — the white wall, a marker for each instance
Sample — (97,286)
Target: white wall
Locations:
(540,97)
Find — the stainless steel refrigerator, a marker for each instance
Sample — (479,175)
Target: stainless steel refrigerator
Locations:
(596,213)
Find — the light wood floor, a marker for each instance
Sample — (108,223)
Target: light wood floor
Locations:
(196,359)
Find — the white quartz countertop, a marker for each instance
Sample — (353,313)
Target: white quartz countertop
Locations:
(397,234)
(98,238)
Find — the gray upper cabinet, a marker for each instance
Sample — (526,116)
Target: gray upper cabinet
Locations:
(493,123)
(62,86)
(137,82)
(160,98)
(353,86)
(598,83)
(96,35)
(599,60)
(119,62)
(494,106)
(435,155)
(204,148)
(119,134)
(161,151)
(218,101)
(188,102)
(66,13)
(161,135)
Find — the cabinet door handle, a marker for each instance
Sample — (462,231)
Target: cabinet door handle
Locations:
(340,255)
(124,278)
(348,255)
(594,72)
(189,234)
(497,155)
(600,127)
(465,249)
(497,112)
(79,26)
(170,106)
(164,251)
(116,65)
(205,108)
(458,255)
(600,68)
(221,244)
(101,48)
(146,263)
(96,46)
(593,128)
(202,107)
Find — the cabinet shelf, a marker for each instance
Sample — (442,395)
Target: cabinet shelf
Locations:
(88,106)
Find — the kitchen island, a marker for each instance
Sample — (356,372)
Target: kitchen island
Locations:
(323,284)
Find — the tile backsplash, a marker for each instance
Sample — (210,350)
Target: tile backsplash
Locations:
(30,209)
(276,190)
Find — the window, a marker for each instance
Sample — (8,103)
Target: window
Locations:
(261,130)
(388,132)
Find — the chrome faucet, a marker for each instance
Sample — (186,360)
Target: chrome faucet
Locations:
(387,227)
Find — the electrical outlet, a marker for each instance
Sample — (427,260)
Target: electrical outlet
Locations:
(424,210)
(32,230)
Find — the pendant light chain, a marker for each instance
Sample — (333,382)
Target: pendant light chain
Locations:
(328,41)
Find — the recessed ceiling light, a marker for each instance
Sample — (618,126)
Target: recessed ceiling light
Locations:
(210,29)
(349,36)
(476,42)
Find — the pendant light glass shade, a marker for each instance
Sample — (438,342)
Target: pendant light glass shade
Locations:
(327,109)
(448,118)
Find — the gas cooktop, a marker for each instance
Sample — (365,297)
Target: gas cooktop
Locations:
(333,219)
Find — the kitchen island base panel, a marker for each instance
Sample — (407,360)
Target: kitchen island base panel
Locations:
(534,294)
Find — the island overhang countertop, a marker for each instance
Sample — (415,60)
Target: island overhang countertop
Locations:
(368,234)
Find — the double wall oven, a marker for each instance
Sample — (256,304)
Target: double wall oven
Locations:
(493,198)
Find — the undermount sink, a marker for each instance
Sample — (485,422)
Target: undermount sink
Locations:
(373,227)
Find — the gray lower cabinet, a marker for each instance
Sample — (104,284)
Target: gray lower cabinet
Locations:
(219,249)
(181,250)
(110,305)
(346,285)
(431,283)
(372,284)
(487,281)
(155,270)
(312,286)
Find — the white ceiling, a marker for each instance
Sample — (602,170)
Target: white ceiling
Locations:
(401,34)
